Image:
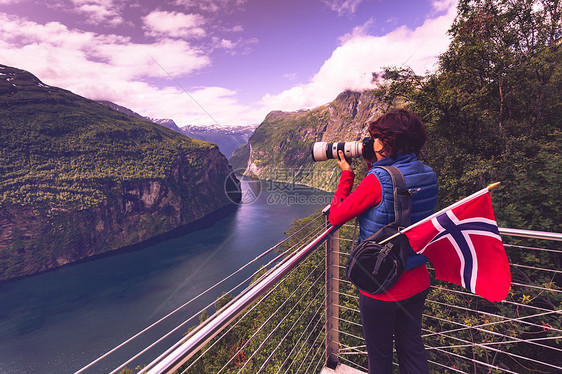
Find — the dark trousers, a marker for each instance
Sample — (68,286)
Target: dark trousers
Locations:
(402,319)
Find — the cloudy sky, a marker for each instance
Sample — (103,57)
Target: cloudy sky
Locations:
(226,62)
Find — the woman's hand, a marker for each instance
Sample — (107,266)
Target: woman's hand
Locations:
(342,162)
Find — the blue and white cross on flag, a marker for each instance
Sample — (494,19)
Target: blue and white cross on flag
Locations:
(464,245)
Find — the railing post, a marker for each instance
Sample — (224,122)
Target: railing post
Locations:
(332,298)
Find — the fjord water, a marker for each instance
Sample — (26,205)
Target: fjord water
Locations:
(59,321)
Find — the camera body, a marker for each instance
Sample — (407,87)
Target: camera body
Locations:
(322,151)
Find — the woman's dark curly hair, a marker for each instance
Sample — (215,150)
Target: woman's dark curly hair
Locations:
(399,131)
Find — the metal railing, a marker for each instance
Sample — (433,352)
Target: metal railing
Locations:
(183,351)
(465,333)
(302,314)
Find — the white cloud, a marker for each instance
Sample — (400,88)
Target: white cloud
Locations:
(185,107)
(234,47)
(392,20)
(351,65)
(212,6)
(358,31)
(99,11)
(443,5)
(168,56)
(78,51)
(343,7)
(290,76)
(174,24)
(111,67)
(227,44)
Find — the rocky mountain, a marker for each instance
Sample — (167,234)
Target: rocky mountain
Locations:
(280,148)
(168,123)
(227,138)
(78,179)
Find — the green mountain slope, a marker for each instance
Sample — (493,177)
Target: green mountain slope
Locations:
(78,179)
(280,147)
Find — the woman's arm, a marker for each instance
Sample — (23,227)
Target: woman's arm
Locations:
(346,204)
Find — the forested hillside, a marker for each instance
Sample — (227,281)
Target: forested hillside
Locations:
(79,179)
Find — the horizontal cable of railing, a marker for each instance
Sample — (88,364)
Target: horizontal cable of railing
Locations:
(531,234)
(275,260)
(278,324)
(233,290)
(170,361)
(470,334)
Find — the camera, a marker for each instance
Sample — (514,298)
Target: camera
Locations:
(322,151)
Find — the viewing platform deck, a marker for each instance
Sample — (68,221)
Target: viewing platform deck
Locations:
(341,369)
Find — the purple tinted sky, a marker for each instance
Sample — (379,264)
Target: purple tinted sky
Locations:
(238,59)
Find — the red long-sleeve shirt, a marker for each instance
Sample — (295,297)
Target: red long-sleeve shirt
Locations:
(347,205)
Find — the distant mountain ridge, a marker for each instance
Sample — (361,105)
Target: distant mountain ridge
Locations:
(78,179)
(168,123)
(227,138)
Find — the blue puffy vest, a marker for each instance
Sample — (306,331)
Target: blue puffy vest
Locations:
(422,183)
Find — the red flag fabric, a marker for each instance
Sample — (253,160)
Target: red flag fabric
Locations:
(465,248)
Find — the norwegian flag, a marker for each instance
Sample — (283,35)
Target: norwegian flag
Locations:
(464,245)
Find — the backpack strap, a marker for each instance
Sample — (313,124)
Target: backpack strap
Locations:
(403,210)
(402,197)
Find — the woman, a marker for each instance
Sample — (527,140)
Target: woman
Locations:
(397,313)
